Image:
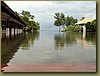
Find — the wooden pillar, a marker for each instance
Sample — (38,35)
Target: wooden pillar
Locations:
(14,28)
(14,32)
(10,29)
(7,23)
(7,32)
(4,28)
(17,28)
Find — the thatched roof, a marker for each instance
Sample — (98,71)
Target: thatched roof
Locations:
(84,21)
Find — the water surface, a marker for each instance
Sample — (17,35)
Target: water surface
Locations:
(49,48)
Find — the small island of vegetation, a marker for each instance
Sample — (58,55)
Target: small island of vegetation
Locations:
(69,23)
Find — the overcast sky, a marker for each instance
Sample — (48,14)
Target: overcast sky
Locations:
(44,11)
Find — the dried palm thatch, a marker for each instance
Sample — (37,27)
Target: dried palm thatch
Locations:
(84,21)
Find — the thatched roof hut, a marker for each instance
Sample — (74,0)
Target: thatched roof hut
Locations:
(84,21)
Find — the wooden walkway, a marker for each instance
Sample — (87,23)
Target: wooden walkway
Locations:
(50,68)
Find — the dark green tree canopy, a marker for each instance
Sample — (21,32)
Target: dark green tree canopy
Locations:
(91,26)
(29,19)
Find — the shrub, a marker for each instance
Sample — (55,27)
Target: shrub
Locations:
(73,28)
(90,27)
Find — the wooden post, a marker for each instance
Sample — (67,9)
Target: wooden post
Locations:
(10,29)
(14,28)
(4,29)
(17,29)
(7,32)
(7,23)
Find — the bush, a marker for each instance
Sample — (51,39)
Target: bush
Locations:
(73,28)
(90,27)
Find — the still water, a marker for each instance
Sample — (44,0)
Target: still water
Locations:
(49,48)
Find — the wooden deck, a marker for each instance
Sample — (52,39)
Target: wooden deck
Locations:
(50,68)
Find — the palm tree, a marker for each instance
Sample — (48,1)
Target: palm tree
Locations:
(62,20)
(58,20)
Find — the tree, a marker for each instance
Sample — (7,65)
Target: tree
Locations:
(36,26)
(26,13)
(29,19)
(58,20)
(25,19)
(63,21)
(91,26)
(69,20)
(94,22)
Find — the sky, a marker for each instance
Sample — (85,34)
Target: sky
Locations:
(44,11)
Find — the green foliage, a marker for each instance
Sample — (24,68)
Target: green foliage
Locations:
(69,20)
(29,19)
(36,26)
(26,13)
(72,28)
(63,21)
(58,19)
(57,23)
(94,22)
(25,19)
(91,26)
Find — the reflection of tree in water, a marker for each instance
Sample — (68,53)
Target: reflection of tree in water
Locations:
(63,39)
(59,40)
(91,37)
(70,38)
(30,38)
(9,46)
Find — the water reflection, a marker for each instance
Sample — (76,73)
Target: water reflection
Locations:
(69,39)
(42,48)
(10,45)
(30,38)
(91,37)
